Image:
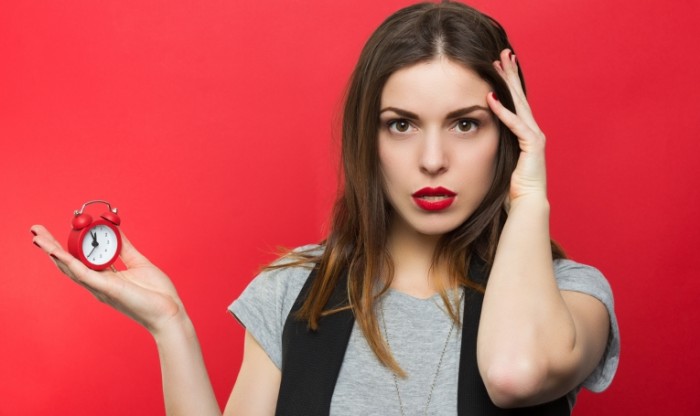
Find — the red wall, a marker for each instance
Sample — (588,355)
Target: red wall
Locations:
(211,126)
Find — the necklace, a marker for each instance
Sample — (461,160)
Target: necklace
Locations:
(437,369)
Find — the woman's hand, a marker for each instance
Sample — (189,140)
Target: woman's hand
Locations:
(529,177)
(142,291)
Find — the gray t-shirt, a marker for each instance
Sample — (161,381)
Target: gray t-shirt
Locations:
(418,333)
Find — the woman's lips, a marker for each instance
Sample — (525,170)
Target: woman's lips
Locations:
(434,199)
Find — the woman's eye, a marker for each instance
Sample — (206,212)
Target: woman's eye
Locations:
(466,125)
(399,126)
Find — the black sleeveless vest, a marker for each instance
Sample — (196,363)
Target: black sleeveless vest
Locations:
(311,360)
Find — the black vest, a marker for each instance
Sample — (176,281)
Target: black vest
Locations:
(311,360)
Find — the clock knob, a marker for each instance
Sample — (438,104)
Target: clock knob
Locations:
(111,217)
(81,221)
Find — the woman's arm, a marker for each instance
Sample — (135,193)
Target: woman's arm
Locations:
(535,342)
(257,385)
(145,294)
(186,386)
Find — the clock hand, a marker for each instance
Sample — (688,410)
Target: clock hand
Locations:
(94,243)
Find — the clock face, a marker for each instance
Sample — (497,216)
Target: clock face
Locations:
(99,244)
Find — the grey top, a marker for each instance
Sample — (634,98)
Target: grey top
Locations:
(417,330)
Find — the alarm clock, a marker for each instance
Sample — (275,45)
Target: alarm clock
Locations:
(96,243)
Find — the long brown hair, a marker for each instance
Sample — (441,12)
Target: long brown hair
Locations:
(356,244)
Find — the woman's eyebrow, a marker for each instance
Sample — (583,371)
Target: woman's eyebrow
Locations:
(452,114)
(466,110)
(400,112)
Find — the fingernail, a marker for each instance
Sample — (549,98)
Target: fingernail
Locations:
(493,94)
(34,242)
(53,256)
(33,232)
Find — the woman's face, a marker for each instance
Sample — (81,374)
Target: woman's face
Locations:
(437,145)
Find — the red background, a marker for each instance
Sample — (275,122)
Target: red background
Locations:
(211,125)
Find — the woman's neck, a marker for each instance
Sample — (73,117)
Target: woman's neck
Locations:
(412,255)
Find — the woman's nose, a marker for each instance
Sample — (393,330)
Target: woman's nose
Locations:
(433,157)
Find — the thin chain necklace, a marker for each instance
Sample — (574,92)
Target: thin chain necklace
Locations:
(437,369)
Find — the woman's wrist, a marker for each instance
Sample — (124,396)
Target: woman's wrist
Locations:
(176,328)
(531,202)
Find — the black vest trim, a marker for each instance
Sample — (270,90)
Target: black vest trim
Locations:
(311,360)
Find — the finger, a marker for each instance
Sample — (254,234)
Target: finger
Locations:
(69,265)
(46,242)
(528,138)
(41,231)
(130,256)
(520,103)
(507,67)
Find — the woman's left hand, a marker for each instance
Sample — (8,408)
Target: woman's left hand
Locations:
(529,178)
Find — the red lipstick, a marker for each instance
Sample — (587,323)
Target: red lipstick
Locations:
(433,199)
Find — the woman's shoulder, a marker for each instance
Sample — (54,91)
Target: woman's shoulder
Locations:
(263,306)
(302,256)
(284,277)
(280,282)
(583,278)
(579,277)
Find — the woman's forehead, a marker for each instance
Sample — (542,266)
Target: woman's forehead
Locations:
(440,84)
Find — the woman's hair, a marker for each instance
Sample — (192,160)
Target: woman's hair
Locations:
(356,244)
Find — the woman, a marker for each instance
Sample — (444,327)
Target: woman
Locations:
(441,230)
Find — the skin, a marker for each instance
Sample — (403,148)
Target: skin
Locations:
(561,335)
(437,130)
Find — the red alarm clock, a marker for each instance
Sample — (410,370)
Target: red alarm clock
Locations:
(97,243)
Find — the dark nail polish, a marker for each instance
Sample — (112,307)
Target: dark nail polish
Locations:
(34,242)
(53,256)
(493,94)
(33,232)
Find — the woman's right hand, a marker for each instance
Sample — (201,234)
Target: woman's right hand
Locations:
(142,291)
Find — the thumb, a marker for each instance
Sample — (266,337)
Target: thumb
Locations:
(130,256)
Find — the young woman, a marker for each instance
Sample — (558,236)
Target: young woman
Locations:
(438,289)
